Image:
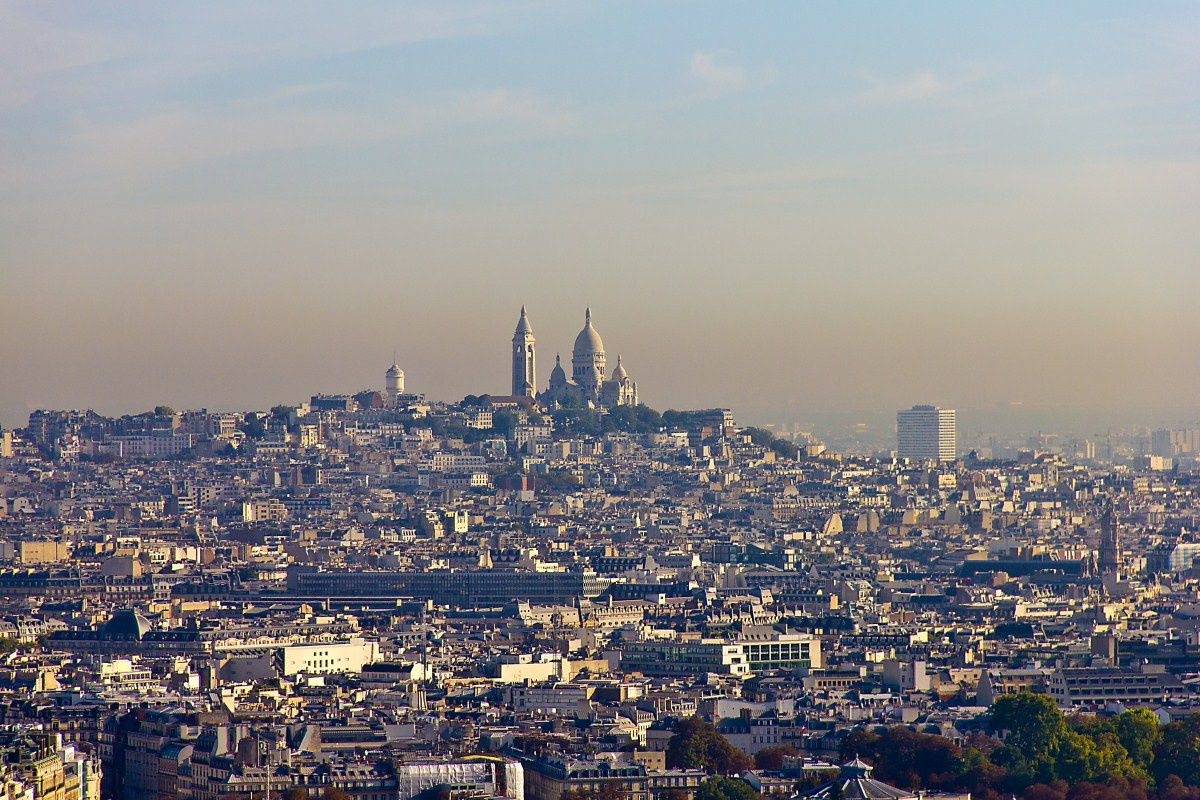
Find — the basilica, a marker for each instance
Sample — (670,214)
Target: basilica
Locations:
(587,386)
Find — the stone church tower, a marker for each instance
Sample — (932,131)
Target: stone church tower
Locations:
(524,368)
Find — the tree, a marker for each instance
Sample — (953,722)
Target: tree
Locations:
(774,757)
(633,419)
(698,745)
(1046,791)
(906,758)
(1172,788)
(295,793)
(759,436)
(858,742)
(785,449)
(559,480)
(606,790)
(1085,759)
(504,422)
(334,793)
(677,419)
(252,426)
(283,414)
(781,447)
(1139,733)
(1179,751)
(164,411)
(1035,730)
(812,780)
(722,788)
(976,772)
(577,422)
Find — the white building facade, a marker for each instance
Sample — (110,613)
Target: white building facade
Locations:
(927,433)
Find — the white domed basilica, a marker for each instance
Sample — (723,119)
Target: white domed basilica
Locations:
(588,385)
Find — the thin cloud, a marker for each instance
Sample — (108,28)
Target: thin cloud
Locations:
(37,51)
(921,85)
(178,137)
(225,37)
(715,74)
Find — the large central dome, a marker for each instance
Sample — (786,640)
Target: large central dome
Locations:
(588,341)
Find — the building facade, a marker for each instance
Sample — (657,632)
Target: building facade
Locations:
(524,361)
(927,433)
(589,385)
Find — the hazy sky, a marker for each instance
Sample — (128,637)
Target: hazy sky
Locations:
(821,206)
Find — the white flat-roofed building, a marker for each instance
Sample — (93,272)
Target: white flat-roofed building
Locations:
(328,658)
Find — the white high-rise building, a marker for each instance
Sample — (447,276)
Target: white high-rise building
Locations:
(927,433)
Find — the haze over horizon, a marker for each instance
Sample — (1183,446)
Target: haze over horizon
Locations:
(832,209)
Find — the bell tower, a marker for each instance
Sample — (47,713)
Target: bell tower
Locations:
(524,368)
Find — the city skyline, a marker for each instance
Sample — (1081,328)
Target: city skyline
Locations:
(841,210)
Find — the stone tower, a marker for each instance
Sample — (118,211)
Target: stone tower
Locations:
(524,368)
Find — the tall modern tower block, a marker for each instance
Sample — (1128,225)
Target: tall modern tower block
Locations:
(927,433)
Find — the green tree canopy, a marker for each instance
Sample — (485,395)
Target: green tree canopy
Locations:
(698,745)
(606,790)
(723,788)
(253,426)
(504,423)
(858,742)
(781,447)
(1139,733)
(1179,751)
(560,480)
(633,419)
(577,422)
(1034,724)
(774,757)
(678,419)
(1099,759)
(906,758)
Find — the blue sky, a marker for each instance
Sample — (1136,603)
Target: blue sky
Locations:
(832,206)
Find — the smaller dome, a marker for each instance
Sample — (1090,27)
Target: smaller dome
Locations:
(394,371)
(619,374)
(558,376)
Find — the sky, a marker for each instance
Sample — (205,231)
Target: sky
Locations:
(817,207)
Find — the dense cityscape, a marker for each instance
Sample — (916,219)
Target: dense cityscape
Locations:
(564,594)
